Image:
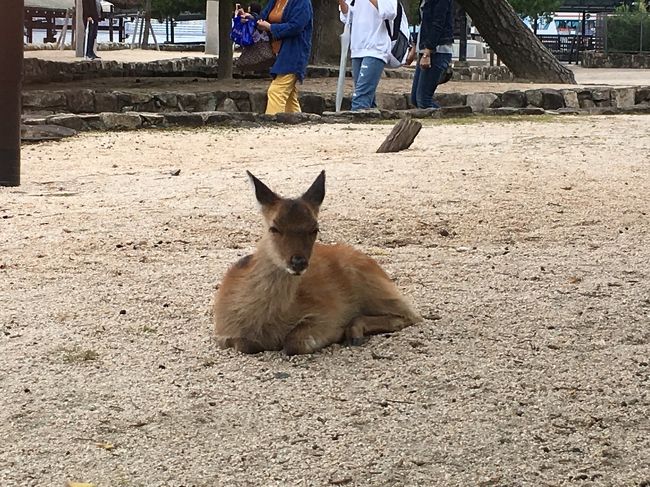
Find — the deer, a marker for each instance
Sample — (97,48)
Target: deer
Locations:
(299,295)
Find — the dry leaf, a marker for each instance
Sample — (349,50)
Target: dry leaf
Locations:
(78,484)
(105,446)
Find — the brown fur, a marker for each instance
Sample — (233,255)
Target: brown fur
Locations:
(342,295)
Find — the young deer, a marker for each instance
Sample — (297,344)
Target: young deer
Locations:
(298,295)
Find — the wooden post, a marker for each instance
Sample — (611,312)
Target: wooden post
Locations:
(402,136)
(79,28)
(11,60)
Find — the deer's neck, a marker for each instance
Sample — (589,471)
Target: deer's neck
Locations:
(274,287)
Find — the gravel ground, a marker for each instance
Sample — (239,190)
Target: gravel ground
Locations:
(524,243)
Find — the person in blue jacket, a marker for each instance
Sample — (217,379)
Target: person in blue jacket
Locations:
(433,49)
(289,23)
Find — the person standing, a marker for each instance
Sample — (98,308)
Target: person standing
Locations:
(289,22)
(92,12)
(433,48)
(370,45)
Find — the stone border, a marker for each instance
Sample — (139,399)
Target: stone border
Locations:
(46,102)
(141,120)
(41,71)
(595,59)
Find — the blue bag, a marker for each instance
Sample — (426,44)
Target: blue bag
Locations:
(242,32)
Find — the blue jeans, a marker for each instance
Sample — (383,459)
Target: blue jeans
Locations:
(425,81)
(366,73)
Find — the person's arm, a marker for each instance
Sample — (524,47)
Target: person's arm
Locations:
(300,17)
(434,15)
(387,9)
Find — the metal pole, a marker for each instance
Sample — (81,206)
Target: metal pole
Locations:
(79,29)
(11,60)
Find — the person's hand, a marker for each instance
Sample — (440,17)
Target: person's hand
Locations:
(263,25)
(410,57)
(90,19)
(425,60)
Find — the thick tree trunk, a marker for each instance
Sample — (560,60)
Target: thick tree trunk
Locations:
(325,39)
(225,44)
(514,43)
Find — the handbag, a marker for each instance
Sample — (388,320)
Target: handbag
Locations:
(242,32)
(256,57)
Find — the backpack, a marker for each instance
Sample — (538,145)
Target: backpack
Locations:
(399,36)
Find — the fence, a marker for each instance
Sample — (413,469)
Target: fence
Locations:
(567,47)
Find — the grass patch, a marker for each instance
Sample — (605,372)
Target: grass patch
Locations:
(76,355)
(479,118)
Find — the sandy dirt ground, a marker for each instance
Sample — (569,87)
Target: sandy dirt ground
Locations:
(524,243)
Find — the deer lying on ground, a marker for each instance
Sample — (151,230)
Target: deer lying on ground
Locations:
(299,295)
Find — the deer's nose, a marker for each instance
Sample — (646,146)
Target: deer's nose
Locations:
(298,263)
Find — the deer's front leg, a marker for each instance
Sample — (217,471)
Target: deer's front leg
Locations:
(308,337)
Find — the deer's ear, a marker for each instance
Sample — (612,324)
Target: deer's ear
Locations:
(264,195)
(316,193)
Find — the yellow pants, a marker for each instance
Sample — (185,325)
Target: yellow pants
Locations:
(283,95)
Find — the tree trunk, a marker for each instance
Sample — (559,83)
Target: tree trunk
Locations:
(325,38)
(225,44)
(147,25)
(514,43)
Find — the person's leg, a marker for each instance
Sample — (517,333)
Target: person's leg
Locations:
(366,84)
(428,81)
(91,35)
(414,87)
(279,92)
(293,104)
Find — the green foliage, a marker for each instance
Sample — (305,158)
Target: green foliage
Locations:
(536,9)
(172,8)
(629,29)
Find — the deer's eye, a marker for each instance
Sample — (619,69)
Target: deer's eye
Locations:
(274,230)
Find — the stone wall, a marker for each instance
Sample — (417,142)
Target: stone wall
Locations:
(593,59)
(41,71)
(47,102)
(482,73)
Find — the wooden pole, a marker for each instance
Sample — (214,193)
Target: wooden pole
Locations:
(401,137)
(80,31)
(11,60)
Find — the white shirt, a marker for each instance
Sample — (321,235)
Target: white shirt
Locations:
(369,36)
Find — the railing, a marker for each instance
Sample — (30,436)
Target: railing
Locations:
(567,47)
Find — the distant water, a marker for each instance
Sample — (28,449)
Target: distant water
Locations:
(184,32)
